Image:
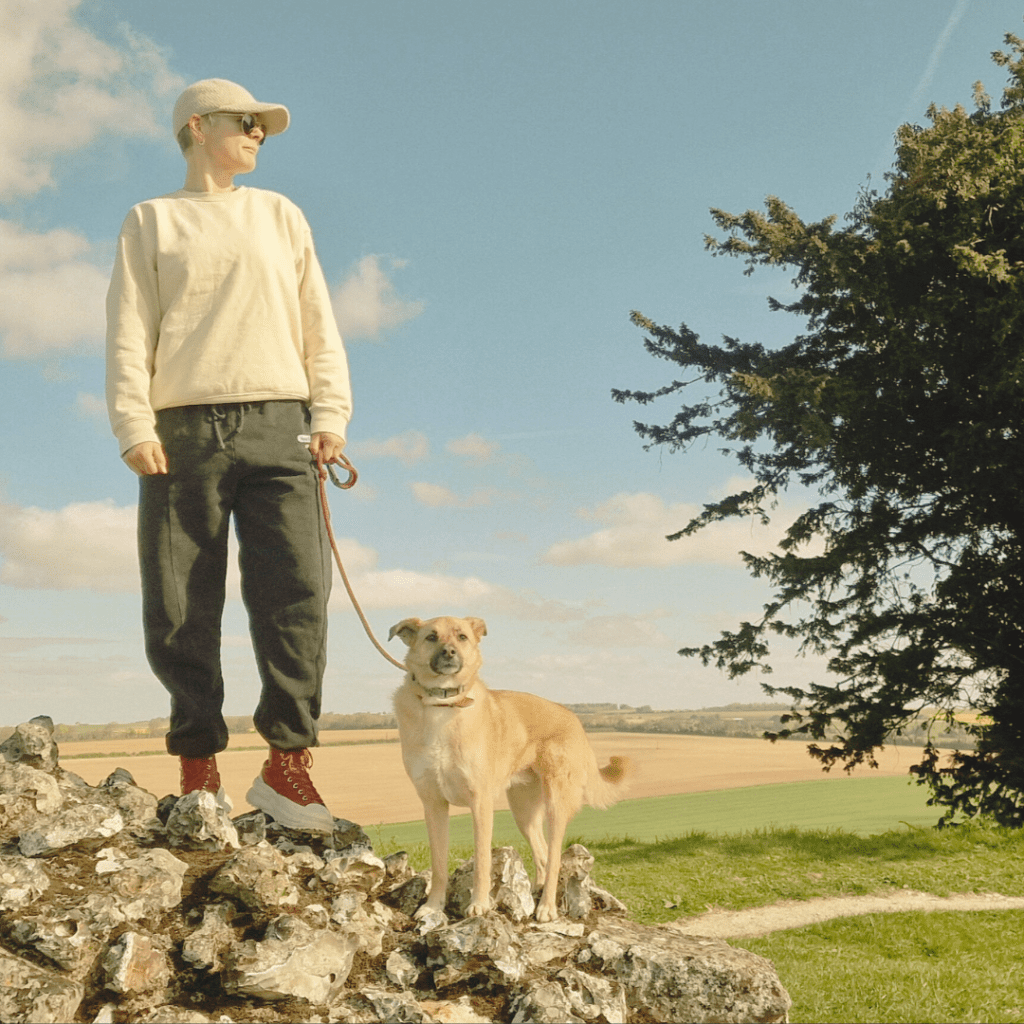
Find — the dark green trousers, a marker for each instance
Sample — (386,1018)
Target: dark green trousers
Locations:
(249,462)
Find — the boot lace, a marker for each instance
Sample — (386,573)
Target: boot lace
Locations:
(199,773)
(294,766)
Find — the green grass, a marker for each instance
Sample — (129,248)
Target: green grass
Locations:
(912,967)
(857,805)
(688,874)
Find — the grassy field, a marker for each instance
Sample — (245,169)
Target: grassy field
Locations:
(907,967)
(692,873)
(902,968)
(862,806)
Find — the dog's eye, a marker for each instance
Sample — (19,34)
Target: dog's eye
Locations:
(462,636)
(431,637)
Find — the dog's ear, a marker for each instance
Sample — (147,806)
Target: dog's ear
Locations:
(406,629)
(478,626)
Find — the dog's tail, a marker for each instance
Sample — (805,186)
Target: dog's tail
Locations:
(608,785)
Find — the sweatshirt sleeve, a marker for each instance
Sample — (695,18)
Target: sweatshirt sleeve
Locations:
(323,350)
(133,327)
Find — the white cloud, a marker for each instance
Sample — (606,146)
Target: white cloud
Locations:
(438,496)
(433,495)
(92,546)
(409,447)
(357,558)
(366,302)
(636,528)
(17,644)
(410,592)
(61,88)
(474,447)
(618,631)
(51,292)
(403,588)
(524,604)
(91,407)
(83,546)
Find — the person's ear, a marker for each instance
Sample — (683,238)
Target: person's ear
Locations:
(196,127)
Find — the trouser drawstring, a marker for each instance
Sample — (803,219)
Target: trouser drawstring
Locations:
(218,414)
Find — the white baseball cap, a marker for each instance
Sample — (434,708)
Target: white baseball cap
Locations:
(218,94)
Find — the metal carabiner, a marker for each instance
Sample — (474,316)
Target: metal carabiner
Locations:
(353,476)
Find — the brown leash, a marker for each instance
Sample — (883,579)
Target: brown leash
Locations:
(353,476)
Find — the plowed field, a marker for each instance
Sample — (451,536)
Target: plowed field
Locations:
(365,781)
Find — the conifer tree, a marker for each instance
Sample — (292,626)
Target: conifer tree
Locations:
(901,407)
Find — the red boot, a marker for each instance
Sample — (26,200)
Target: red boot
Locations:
(201,773)
(284,791)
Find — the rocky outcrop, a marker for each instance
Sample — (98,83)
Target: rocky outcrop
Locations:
(114,907)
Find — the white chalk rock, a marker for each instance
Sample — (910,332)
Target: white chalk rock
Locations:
(140,888)
(31,994)
(574,897)
(21,882)
(292,960)
(257,876)
(198,822)
(511,890)
(135,964)
(27,796)
(361,869)
(32,744)
(205,947)
(475,946)
(72,825)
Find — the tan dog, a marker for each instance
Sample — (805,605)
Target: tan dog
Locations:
(463,743)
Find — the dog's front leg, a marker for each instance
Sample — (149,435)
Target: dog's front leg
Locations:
(435,814)
(483,831)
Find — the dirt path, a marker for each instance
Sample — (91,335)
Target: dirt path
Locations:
(738,924)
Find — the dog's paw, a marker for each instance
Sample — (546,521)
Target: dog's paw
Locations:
(478,908)
(424,909)
(546,914)
(428,918)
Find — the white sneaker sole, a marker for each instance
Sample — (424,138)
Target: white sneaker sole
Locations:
(306,818)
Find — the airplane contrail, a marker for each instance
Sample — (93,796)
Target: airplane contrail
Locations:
(936,55)
(912,109)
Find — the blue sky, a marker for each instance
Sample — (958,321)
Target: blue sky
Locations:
(492,188)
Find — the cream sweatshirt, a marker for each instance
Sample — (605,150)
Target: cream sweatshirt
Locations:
(218,297)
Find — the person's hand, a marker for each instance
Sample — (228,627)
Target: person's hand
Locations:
(325,448)
(147,458)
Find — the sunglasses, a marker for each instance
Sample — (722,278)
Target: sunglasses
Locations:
(248,123)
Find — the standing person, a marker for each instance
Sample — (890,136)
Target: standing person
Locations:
(228,392)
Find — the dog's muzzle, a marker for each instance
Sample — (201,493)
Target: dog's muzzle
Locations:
(446,662)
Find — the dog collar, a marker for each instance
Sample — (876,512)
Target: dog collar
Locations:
(447,697)
(440,691)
